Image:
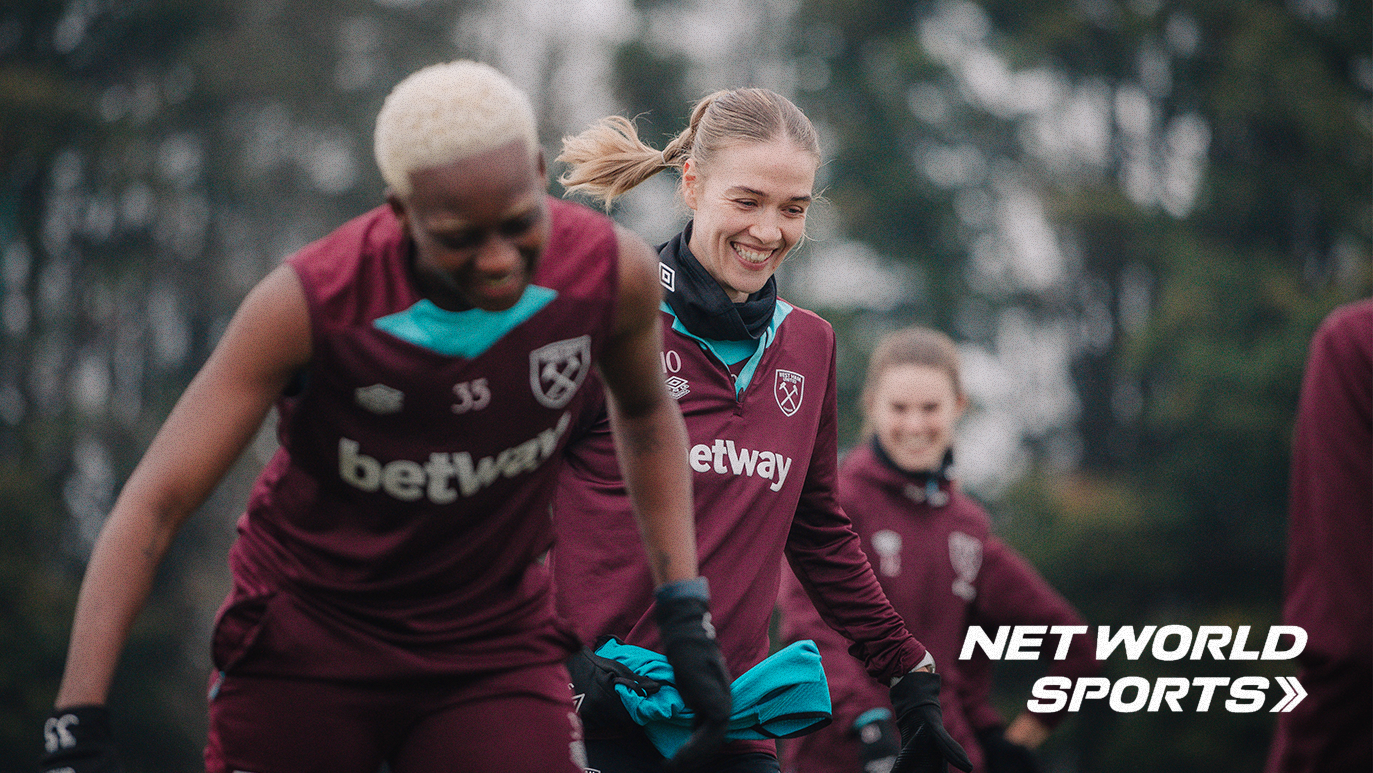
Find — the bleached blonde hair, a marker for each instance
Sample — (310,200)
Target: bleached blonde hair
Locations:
(448,112)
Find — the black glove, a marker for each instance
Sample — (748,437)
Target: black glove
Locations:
(1004,756)
(925,745)
(878,744)
(78,740)
(682,611)
(598,703)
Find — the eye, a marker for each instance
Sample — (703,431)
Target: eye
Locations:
(519,225)
(461,240)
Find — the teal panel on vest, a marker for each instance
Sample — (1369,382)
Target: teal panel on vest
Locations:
(462,333)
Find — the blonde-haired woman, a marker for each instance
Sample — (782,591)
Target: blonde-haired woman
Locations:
(934,553)
(755,379)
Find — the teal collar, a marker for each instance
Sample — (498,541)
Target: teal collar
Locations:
(462,333)
(728,352)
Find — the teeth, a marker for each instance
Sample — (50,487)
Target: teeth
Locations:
(752,256)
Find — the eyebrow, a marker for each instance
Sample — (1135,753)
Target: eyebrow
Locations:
(752,192)
(516,212)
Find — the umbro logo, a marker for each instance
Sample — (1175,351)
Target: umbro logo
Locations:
(677,387)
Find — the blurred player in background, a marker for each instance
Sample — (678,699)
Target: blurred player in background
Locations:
(935,556)
(1329,583)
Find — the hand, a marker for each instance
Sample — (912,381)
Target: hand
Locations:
(878,744)
(78,740)
(926,746)
(1003,755)
(598,703)
(683,616)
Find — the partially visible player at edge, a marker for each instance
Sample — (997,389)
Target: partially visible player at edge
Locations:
(755,379)
(390,603)
(1328,587)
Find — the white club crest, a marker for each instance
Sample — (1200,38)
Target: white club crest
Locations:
(379,399)
(965,553)
(789,388)
(887,543)
(558,369)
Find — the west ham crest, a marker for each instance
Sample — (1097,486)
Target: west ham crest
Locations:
(965,553)
(558,369)
(788,387)
(379,399)
(887,543)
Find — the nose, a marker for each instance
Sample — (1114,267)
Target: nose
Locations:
(767,227)
(497,256)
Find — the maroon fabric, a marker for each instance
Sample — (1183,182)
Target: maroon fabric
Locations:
(399,537)
(1329,582)
(943,570)
(420,726)
(747,517)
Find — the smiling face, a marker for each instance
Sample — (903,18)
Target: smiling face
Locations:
(479,226)
(913,410)
(750,210)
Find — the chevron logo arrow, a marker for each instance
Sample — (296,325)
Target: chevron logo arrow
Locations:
(1293,693)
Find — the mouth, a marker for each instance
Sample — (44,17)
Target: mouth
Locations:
(753,258)
(499,289)
(915,446)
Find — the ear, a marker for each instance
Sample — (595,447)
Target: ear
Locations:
(398,208)
(689,182)
(543,165)
(960,406)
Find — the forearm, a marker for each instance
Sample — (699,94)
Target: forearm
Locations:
(651,448)
(117,583)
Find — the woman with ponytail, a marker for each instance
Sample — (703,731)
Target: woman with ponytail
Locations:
(754,377)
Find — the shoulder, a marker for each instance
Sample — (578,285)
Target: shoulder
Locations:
(969,511)
(1348,330)
(802,320)
(576,225)
(373,231)
(583,254)
(362,257)
(803,334)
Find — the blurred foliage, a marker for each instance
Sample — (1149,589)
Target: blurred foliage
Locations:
(158,156)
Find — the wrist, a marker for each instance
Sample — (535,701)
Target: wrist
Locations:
(926,665)
(694,588)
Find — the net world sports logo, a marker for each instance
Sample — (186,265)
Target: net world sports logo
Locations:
(1246,694)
